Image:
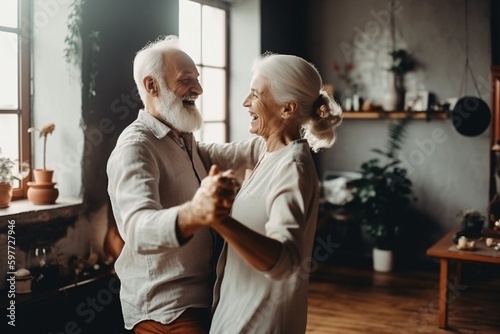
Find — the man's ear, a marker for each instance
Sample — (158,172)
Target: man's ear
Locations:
(289,109)
(150,86)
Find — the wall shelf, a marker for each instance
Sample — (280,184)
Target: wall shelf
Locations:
(390,115)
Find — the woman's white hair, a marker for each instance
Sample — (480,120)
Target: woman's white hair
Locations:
(292,78)
(149,61)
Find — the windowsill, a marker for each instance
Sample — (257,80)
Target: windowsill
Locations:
(23,211)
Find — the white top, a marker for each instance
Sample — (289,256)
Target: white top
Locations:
(280,200)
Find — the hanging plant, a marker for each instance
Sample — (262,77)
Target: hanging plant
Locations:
(73,42)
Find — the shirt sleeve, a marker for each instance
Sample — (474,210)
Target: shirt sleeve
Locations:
(238,156)
(291,217)
(134,192)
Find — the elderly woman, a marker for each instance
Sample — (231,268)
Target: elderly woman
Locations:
(263,271)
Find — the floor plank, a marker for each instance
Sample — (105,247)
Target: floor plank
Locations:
(355,299)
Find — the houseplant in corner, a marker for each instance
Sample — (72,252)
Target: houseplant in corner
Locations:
(8,175)
(382,196)
(42,190)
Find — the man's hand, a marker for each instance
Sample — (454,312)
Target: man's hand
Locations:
(210,204)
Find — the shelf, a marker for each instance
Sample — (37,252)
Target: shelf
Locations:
(390,115)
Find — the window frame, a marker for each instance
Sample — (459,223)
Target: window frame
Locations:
(23,110)
(200,66)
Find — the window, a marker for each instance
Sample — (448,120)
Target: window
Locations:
(203,35)
(15,83)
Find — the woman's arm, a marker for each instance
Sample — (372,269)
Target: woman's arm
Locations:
(260,251)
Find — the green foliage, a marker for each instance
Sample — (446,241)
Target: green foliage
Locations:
(402,62)
(384,191)
(73,42)
(7,173)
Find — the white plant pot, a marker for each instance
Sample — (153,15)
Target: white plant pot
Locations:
(382,260)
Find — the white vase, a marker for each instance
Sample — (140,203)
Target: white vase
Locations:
(390,99)
(382,260)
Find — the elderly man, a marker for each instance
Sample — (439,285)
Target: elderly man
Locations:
(154,174)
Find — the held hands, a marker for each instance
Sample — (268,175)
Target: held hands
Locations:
(214,198)
(211,202)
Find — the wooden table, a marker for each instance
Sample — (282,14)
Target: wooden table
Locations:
(442,251)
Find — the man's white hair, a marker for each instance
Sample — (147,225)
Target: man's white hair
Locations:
(149,61)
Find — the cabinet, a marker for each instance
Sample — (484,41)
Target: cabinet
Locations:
(88,306)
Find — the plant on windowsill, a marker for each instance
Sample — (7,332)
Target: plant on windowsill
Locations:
(42,190)
(8,175)
(383,194)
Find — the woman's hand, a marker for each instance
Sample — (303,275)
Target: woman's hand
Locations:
(210,204)
(216,194)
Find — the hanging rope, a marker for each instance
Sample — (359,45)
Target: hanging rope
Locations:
(468,68)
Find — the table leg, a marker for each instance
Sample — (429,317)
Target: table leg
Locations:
(443,294)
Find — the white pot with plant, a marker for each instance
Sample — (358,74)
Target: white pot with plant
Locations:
(10,172)
(382,195)
(42,190)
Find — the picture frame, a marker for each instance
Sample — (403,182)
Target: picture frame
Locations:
(416,101)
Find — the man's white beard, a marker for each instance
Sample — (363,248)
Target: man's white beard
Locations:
(172,111)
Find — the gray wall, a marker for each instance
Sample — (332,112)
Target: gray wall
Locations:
(450,173)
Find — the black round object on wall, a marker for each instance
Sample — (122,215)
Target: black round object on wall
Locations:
(471,116)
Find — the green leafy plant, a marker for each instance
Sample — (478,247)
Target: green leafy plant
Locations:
(402,62)
(73,41)
(384,191)
(7,170)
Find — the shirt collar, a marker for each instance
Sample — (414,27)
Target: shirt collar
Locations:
(158,128)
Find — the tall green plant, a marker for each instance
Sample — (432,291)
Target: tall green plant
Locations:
(384,190)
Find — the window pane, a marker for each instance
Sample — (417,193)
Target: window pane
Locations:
(213,133)
(214,36)
(190,29)
(214,92)
(9,70)
(9,128)
(8,13)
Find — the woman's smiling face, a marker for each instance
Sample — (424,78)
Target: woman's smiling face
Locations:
(263,109)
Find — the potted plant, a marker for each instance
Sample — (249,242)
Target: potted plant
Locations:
(43,174)
(401,63)
(351,98)
(383,194)
(472,222)
(8,175)
(42,190)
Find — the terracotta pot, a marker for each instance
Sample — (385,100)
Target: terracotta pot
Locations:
(5,195)
(42,193)
(43,175)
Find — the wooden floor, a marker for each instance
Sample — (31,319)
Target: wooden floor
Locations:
(347,300)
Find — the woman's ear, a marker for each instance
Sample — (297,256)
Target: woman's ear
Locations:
(150,86)
(289,109)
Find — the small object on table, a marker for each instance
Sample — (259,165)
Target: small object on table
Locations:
(23,281)
(465,244)
(490,242)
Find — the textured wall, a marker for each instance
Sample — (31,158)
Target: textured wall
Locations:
(448,175)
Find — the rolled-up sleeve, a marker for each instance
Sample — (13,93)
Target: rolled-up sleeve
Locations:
(289,206)
(134,192)
(237,156)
